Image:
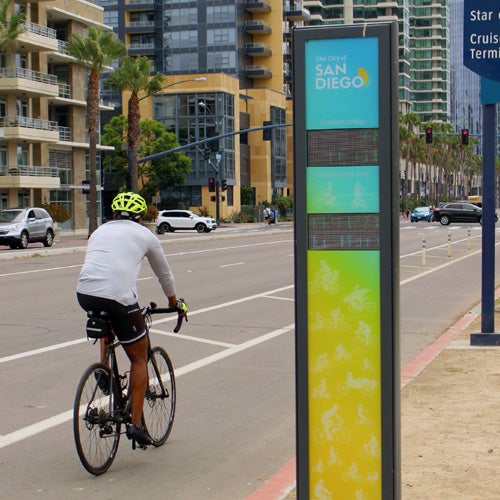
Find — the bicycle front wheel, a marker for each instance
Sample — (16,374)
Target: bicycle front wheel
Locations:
(96,427)
(159,403)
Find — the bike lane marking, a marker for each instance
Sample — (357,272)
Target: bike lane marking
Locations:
(63,345)
(48,423)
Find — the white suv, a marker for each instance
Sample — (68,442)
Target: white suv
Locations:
(170,220)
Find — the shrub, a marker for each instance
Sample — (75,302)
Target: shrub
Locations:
(57,211)
(151,214)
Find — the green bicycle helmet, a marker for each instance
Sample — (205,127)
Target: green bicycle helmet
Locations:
(130,204)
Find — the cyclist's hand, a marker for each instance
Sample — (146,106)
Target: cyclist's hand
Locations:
(182,307)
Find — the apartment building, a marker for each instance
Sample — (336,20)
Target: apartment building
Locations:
(243,50)
(424,47)
(43,135)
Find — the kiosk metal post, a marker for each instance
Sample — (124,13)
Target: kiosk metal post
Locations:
(346,261)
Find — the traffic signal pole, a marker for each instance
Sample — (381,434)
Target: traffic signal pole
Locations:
(210,139)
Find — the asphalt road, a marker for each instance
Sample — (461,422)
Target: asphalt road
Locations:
(234,361)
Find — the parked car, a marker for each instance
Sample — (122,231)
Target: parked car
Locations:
(172,220)
(421,213)
(21,226)
(459,212)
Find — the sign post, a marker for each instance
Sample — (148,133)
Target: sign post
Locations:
(482,56)
(346,261)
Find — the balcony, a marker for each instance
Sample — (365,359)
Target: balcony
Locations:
(252,6)
(131,5)
(21,128)
(29,176)
(26,81)
(37,38)
(258,71)
(295,12)
(140,26)
(257,28)
(61,53)
(141,48)
(257,50)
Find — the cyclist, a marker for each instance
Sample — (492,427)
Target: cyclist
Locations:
(107,282)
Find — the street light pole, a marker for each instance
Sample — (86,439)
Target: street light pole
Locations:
(199,79)
(203,105)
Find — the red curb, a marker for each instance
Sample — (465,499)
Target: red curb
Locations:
(283,481)
(278,485)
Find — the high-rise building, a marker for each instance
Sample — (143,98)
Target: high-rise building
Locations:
(243,49)
(424,74)
(430,59)
(43,137)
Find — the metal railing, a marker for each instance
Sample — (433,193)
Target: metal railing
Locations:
(64,90)
(64,133)
(38,29)
(140,24)
(141,46)
(29,170)
(23,121)
(28,74)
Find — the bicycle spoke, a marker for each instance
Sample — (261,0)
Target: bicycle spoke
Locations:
(159,403)
(96,430)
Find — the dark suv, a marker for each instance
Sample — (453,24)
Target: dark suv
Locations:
(459,212)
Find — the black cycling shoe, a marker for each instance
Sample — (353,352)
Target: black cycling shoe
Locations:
(138,435)
(102,380)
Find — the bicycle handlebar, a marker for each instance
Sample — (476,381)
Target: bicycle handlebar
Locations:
(181,313)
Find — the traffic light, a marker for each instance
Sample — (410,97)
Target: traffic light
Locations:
(428,135)
(212,198)
(465,136)
(266,133)
(206,153)
(214,145)
(211,184)
(224,185)
(85,187)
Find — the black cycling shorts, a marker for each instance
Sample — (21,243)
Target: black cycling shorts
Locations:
(127,321)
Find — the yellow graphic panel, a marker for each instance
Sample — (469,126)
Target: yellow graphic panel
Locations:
(344,375)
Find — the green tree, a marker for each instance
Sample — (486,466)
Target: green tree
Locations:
(115,135)
(164,172)
(11,24)
(96,50)
(133,75)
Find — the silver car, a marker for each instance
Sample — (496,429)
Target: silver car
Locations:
(21,226)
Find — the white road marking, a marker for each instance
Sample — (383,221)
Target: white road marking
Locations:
(61,418)
(163,320)
(234,264)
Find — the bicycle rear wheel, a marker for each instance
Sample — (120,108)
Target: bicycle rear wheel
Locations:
(96,427)
(159,403)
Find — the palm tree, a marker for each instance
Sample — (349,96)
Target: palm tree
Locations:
(11,24)
(96,50)
(133,75)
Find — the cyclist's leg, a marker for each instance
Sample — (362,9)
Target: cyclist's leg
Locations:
(137,353)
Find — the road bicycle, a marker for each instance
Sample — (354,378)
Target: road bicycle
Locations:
(102,408)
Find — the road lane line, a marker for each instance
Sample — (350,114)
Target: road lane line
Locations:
(189,337)
(61,418)
(54,347)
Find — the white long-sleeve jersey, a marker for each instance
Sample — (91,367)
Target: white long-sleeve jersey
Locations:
(115,252)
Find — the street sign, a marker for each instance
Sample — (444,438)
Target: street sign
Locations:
(482,37)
